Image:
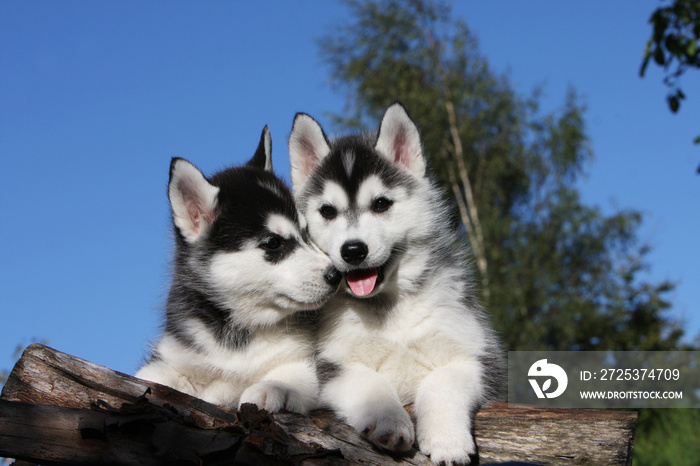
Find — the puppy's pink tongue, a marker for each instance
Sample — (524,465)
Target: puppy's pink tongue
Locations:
(362,282)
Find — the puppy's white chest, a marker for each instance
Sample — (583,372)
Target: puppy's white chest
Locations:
(403,350)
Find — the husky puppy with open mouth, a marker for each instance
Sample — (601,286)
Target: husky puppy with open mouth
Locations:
(407,327)
(243,270)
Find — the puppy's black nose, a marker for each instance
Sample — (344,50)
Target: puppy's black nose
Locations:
(354,252)
(333,276)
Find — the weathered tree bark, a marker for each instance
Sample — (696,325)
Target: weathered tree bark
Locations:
(58,409)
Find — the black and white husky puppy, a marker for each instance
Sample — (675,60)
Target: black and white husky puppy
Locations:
(243,269)
(407,327)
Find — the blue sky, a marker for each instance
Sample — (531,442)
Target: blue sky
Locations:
(96,97)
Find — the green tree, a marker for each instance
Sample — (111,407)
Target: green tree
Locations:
(555,273)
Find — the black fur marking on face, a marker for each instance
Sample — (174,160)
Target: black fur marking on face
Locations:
(278,248)
(247,197)
(366,162)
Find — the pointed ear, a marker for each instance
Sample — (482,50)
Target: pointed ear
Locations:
(308,145)
(192,198)
(399,140)
(263,154)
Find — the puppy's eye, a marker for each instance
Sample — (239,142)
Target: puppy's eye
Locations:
(272,243)
(328,212)
(381,204)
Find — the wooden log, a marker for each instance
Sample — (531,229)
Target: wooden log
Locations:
(511,433)
(56,408)
(152,436)
(48,377)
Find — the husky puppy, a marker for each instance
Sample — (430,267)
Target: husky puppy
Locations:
(407,327)
(243,269)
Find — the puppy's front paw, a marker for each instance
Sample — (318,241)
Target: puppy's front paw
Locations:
(388,429)
(447,449)
(271,396)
